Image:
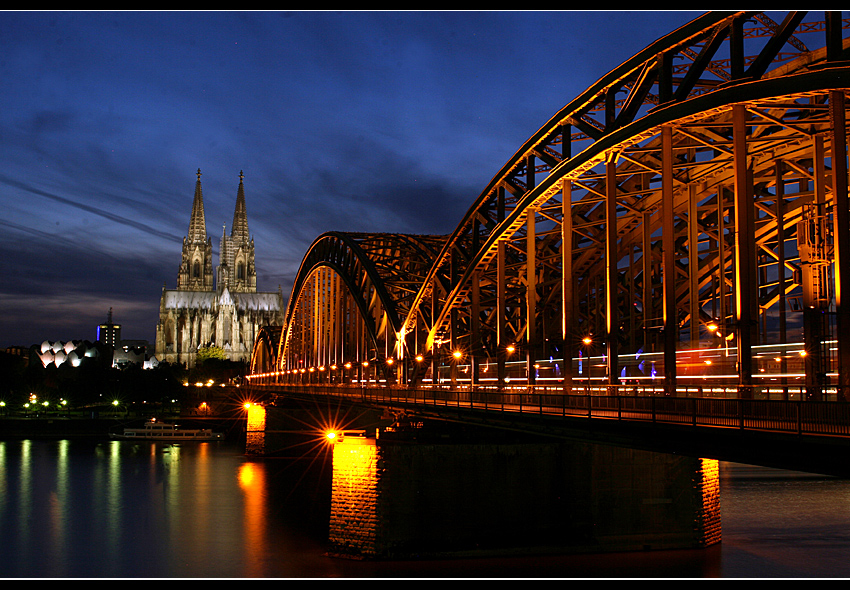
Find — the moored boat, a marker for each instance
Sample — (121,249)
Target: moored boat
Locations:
(155,430)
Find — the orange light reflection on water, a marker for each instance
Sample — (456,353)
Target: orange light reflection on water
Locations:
(252,482)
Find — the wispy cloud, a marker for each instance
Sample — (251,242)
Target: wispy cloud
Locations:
(99,211)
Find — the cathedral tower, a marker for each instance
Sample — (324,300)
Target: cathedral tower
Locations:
(236,270)
(195,272)
(228,315)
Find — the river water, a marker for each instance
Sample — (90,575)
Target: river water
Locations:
(110,509)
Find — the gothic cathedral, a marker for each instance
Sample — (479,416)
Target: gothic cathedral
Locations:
(226,313)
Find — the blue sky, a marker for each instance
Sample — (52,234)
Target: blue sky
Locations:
(347,121)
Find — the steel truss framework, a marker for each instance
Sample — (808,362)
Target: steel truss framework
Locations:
(688,208)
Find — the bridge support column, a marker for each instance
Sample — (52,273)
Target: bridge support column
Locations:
(745,256)
(435,350)
(531,296)
(841,220)
(568,336)
(668,243)
(475,320)
(693,266)
(814,263)
(612,311)
(779,206)
(501,324)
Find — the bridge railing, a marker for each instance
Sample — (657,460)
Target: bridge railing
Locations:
(702,388)
(800,417)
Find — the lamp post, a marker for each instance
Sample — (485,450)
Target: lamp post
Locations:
(587,341)
(457,355)
(389,371)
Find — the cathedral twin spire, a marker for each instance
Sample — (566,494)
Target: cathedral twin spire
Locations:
(236,257)
(239,229)
(197,223)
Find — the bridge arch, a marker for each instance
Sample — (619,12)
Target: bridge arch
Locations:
(264,355)
(346,300)
(621,148)
(691,200)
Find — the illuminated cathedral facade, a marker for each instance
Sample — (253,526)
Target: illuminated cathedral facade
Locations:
(222,309)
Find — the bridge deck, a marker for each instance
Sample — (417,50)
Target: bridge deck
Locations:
(800,435)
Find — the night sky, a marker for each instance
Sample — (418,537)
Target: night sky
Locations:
(346,121)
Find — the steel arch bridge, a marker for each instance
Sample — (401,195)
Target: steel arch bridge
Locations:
(682,222)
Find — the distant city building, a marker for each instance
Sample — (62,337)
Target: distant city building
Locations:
(73,352)
(19,351)
(133,352)
(109,333)
(227,312)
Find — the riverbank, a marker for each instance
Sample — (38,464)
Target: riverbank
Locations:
(57,427)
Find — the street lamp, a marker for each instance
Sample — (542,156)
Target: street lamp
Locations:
(390,376)
(587,341)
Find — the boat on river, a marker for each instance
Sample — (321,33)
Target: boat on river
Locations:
(162,431)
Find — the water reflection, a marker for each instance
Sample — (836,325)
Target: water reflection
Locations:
(784,523)
(402,500)
(252,482)
(76,508)
(129,510)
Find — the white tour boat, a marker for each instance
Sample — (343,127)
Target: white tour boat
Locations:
(154,430)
